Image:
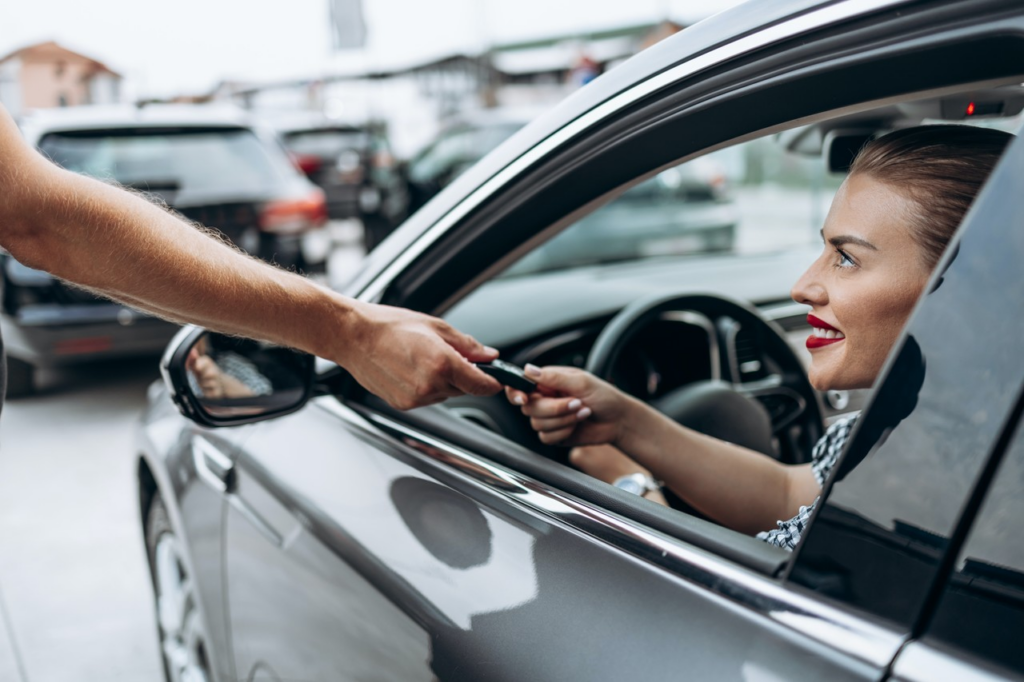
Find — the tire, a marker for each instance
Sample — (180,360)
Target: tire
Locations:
(183,642)
(20,378)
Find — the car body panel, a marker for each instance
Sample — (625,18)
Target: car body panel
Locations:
(313,607)
(171,447)
(52,335)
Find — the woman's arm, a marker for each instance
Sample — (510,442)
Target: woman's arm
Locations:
(740,488)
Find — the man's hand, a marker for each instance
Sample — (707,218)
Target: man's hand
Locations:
(124,247)
(410,359)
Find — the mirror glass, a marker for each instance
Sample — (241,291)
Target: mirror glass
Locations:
(231,377)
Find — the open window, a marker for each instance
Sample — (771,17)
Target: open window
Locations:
(719,186)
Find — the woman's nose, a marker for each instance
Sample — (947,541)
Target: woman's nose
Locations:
(809,289)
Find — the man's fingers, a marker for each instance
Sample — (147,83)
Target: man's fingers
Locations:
(469,378)
(466,345)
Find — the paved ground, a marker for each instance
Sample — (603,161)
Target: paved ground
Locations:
(76,598)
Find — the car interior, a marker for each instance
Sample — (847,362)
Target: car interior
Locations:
(711,339)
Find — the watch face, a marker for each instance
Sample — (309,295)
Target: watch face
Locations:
(630,485)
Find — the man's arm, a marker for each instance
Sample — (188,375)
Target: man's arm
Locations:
(120,245)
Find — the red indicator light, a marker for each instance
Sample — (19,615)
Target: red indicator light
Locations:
(970,109)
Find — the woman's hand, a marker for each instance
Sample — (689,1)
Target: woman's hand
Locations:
(572,406)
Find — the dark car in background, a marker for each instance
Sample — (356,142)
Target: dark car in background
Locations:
(308,531)
(213,165)
(459,144)
(353,165)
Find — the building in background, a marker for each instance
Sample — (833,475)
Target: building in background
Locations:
(414,101)
(48,75)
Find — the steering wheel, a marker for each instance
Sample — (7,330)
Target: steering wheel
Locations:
(777,414)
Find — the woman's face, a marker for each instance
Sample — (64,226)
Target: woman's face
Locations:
(863,286)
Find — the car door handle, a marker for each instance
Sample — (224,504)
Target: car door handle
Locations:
(218,471)
(213,467)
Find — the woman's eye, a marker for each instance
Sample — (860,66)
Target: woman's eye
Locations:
(844,261)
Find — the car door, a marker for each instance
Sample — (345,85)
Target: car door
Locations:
(975,628)
(973,623)
(376,549)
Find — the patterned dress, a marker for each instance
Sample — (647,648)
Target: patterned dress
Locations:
(825,454)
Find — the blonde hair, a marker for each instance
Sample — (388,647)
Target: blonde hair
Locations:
(941,168)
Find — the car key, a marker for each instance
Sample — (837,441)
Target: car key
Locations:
(508,375)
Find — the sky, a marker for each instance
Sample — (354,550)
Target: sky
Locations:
(187,46)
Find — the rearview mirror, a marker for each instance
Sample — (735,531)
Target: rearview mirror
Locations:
(218,380)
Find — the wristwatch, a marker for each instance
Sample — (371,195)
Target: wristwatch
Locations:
(638,484)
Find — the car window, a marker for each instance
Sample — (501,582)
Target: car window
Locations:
(982,608)
(326,143)
(744,222)
(749,199)
(220,161)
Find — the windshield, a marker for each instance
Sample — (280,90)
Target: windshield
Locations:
(226,161)
(325,143)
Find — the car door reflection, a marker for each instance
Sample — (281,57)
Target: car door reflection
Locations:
(448,526)
(455,532)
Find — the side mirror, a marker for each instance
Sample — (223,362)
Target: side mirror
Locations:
(218,380)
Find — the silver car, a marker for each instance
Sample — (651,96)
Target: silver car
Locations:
(299,529)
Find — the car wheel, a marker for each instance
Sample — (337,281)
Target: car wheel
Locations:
(20,378)
(179,624)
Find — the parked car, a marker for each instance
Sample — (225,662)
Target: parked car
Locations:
(310,532)
(686,209)
(353,165)
(212,165)
(460,144)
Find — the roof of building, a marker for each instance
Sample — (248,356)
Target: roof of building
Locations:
(51,51)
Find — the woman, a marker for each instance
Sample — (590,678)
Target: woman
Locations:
(889,223)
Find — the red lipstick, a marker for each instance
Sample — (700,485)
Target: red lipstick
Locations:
(817,341)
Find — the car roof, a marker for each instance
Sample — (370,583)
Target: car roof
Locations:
(95,117)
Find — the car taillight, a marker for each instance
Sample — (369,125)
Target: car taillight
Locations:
(307,163)
(292,216)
